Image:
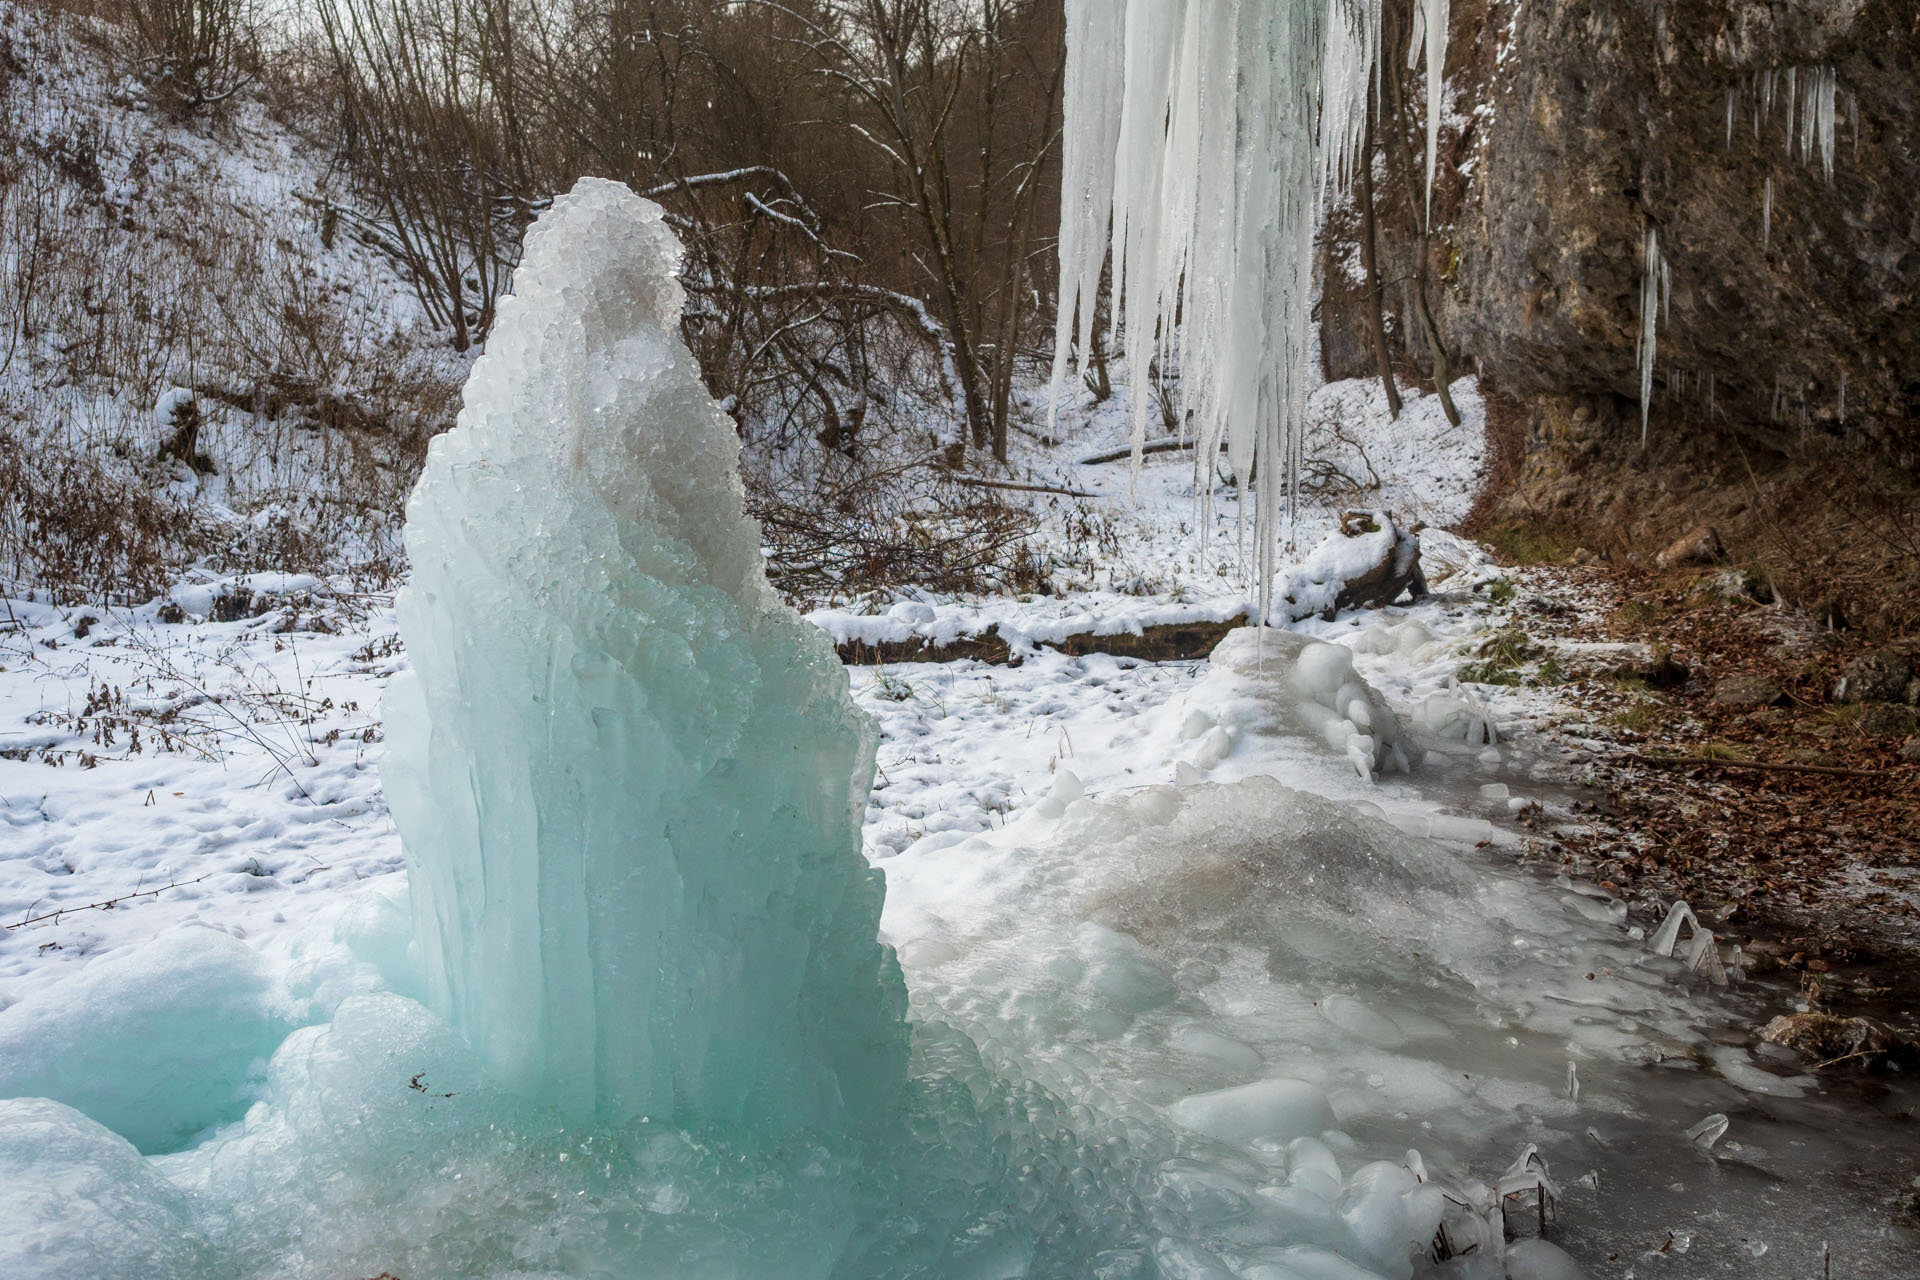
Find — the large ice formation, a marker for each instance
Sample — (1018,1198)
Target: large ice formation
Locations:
(628,778)
(1313,690)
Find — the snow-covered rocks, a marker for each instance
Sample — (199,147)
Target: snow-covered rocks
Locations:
(157,1042)
(1368,563)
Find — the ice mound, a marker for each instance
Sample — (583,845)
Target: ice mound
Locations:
(383,1147)
(1315,691)
(629,779)
(77,1202)
(157,1043)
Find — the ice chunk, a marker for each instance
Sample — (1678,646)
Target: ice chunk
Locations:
(628,778)
(1708,1131)
(1280,1109)
(1211,1044)
(1699,952)
(1457,715)
(1216,745)
(156,1042)
(1526,1193)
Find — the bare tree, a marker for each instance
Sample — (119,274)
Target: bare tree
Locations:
(934,88)
(195,53)
(423,131)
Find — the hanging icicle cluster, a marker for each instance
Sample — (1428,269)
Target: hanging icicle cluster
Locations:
(1811,98)
(1203,135)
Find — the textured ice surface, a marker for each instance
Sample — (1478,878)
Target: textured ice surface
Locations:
(628,778)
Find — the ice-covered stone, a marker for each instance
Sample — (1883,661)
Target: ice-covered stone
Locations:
(628,778)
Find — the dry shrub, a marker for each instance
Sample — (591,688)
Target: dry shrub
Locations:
(72,525)
(876,527)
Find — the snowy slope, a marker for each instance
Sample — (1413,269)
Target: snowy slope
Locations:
(149,263)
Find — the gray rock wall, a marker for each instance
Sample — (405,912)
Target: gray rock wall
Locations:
(1582,122)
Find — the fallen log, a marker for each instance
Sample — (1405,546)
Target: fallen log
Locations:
(1158,446)
(1166,642)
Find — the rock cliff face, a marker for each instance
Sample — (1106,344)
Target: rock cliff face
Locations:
(1792,309)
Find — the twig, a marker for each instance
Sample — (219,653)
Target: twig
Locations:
(1846,1057)
(1693,761)
(984,483)
(110,903)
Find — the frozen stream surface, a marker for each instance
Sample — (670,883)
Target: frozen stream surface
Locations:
(1213,969)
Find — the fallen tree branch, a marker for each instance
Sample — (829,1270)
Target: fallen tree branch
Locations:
(984,483)
(1708,761)
(1158,446)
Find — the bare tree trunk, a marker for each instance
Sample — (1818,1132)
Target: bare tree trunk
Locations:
(1400,119)
(1376,321)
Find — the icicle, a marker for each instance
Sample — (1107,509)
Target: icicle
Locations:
(1766,214)
(1430,22)
(1212,154)
(1653,293)
(1793,85)
(1708,1131)
(1092,89)
(1663,939)
(1828,90)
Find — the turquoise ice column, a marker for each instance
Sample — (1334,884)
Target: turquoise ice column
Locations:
(629,779)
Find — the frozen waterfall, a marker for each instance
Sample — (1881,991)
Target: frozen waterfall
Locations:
(628,778)
(1206,137)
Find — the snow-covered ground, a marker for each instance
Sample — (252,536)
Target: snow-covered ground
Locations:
(221,777)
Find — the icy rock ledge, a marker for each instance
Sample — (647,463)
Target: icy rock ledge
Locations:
(628,778)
